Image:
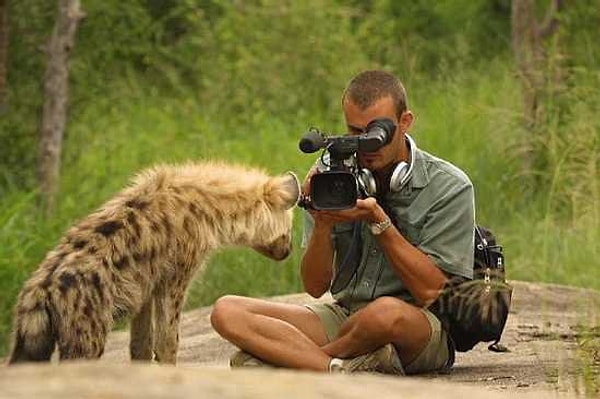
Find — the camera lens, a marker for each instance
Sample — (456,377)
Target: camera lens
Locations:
(333,190)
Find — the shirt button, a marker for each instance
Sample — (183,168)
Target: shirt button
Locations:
(366,283)
(374,251)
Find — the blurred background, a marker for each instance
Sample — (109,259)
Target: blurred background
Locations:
(506,90)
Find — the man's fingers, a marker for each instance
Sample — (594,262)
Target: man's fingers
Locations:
(363,210)
(306,183)
(339,348)
(367,203)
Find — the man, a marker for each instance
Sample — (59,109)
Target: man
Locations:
(414,235)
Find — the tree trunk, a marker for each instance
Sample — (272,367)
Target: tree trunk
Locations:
(527,41)
(3,54)
(56,93)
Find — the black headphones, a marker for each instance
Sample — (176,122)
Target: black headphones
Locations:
(400,175)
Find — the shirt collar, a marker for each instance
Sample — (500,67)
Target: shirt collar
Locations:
(420,177)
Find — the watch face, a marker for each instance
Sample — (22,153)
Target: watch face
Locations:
(379,227)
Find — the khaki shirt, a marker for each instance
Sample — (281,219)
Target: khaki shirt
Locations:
(435,211)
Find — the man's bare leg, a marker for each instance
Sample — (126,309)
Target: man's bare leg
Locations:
(284,335)
(384,320)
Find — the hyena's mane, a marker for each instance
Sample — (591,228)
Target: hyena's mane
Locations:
(207,204)
(221,202)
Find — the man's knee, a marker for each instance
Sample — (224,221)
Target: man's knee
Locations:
(226,313)
(391,316)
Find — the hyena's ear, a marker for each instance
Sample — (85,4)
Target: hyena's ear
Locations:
(283,191)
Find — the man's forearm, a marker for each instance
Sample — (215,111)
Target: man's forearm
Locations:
(418,273)
(317,262)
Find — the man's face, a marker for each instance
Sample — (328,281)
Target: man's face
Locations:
(357,119)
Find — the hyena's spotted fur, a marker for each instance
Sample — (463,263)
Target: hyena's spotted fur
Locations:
(136,255)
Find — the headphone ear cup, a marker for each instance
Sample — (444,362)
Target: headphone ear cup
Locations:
(399,176)
(366,182)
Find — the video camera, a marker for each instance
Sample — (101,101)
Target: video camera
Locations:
(341,182)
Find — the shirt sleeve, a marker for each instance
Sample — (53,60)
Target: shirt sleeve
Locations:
(448,233)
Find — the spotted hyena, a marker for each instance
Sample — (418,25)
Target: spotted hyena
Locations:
(136,255)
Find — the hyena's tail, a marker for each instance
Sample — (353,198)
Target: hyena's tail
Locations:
(33,335)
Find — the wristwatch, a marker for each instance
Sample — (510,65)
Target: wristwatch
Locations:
(379,227)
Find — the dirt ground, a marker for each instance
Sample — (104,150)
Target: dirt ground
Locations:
(543,332)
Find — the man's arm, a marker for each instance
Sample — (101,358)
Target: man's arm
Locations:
(317,262)
(316,267)
(445,246)
(418,272)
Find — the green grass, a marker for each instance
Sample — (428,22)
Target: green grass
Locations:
(589,355)
(470,119)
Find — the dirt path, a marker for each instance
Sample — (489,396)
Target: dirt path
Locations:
(542,334)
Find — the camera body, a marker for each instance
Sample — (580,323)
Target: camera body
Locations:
(340,181)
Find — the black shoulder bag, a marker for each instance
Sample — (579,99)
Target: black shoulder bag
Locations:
(474,311)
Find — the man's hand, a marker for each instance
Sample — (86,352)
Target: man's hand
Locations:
(365,210)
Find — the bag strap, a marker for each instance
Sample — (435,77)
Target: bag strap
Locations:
(483,246)
(350,263)
(498,347)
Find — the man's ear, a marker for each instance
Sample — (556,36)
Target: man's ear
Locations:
(406,120)
(283,191)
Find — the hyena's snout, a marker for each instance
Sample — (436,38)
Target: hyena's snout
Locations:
(278,249)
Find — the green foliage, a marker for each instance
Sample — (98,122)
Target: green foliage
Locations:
(254,72)
(589,354)
(562,172)
(21,242)
(430,36)
(30,23)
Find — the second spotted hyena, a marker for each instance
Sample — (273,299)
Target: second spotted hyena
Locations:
(136,255)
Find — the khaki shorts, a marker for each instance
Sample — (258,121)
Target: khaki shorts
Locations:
(437,355)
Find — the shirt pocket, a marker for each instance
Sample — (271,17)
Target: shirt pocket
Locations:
(342,228)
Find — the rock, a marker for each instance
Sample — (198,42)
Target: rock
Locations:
(121,381)
(542,333)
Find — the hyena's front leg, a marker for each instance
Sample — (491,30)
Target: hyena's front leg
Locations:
(168,303)
(142,333)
